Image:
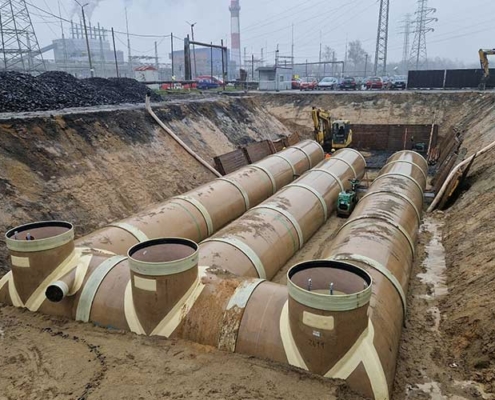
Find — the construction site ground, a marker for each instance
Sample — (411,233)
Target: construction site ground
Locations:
(91,168)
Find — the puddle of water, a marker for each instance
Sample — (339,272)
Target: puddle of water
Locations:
(433,389)
(434,262)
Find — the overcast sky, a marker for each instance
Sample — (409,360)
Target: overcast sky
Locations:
(462,27)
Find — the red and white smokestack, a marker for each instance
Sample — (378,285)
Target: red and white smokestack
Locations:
(235,29)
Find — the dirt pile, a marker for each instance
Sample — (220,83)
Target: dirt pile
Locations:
(56,90)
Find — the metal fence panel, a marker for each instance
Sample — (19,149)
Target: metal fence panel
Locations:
(431,79)
(467,78)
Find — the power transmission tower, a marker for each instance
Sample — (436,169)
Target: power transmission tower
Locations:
(382,38)
(406,31)
(19,45)
(424,19)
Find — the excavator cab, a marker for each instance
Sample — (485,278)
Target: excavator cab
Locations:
(331,135)
(341,134)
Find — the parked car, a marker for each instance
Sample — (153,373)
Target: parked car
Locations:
(398,82)
(374,82)
(328,83)
(205,84)
(307,84)
(348,83)
(178,86)
(296,84)
(210,78)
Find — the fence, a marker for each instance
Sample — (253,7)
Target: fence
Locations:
(448,79)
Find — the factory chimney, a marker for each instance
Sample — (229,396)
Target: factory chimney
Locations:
(235,29)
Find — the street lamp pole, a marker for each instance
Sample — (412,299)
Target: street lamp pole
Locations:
(91,70)
(194,47)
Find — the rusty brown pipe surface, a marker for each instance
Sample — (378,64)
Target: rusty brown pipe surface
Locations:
(260,242)
(321,321)
(201,212)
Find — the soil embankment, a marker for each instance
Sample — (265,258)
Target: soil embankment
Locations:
(445,109)
(94,167)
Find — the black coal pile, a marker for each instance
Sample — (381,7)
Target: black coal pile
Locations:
(55,90)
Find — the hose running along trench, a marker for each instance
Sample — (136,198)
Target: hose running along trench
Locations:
(178,139)
(339,317)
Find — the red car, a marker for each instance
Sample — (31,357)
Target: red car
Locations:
(296,84)
(307,84)
(374,83)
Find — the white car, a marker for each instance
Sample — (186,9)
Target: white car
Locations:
(328,83)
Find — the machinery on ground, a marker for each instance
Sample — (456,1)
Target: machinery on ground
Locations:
(331,134)
(347,200)
(484,53)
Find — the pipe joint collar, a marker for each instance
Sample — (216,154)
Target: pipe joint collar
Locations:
(329,285)
(39,236)
(165,256)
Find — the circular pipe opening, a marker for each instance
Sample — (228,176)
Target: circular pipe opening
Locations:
(57,291)
(163,256)
(39,236)
(39,230)
(329,285)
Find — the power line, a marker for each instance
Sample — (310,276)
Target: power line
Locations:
(69,21)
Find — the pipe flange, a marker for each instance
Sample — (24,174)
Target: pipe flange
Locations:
(35,245)
(136,232)
(348,164)
(342,188)
(287,161)
(315,192)
(410,163)
(327,301)
(142,260)
(244,194)
(269,174)
(246,250)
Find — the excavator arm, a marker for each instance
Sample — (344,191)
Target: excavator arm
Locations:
(322,122)
(485,66)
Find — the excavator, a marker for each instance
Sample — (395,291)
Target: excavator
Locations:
(484,53)
(331,134)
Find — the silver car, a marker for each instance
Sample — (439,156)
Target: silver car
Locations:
(328,83)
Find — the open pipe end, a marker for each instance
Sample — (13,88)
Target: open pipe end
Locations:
(329,285)
(57,291)
(39,236)
(165,256)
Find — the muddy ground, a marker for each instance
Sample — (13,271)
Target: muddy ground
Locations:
(48,358)
(447,349)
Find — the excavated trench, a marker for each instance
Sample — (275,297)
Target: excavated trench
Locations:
(93,167)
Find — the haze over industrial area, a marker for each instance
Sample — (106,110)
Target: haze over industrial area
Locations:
(461,29)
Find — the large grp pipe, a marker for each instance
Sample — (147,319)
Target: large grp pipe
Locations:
(201,212)
(260,242)
(320,322)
